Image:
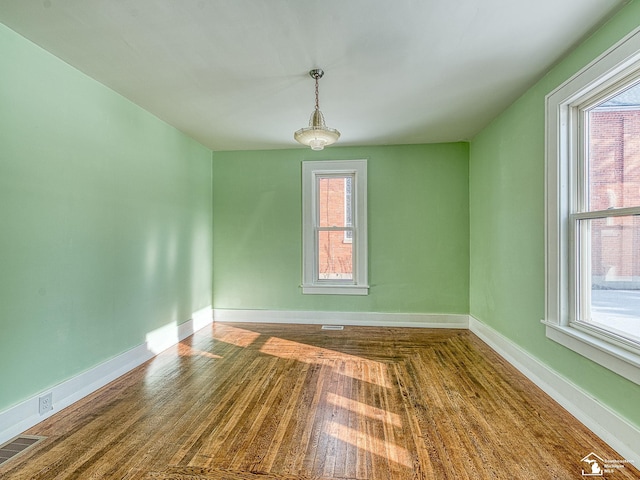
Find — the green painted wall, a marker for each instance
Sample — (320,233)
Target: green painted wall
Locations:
(506,172)
(418,229)
(107,223)
(105,218)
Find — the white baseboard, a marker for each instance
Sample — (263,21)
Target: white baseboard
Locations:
(24,415)
(368,319)
(621,435)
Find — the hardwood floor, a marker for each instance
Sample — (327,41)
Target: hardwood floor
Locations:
(254,401)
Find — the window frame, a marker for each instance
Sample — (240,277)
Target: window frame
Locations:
(311,171)
(563,172)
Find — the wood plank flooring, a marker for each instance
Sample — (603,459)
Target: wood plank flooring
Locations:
(255,401)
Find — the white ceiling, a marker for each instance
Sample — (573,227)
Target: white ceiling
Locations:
(233,74)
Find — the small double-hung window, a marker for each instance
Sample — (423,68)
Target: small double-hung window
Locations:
(334,229)
(593,211)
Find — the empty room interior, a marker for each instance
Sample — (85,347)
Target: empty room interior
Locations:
(435,275)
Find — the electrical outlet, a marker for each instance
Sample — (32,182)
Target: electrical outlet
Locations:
(45,403)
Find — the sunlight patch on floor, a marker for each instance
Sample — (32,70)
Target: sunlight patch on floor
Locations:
(279,347)
(236,336)
(371,443)
(364,409)
(189,351)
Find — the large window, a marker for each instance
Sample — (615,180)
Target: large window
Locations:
(606,217)
(593,211)
(334,227)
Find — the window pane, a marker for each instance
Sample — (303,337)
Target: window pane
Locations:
(335,256)
(614,290)
(334,201)
(614,151)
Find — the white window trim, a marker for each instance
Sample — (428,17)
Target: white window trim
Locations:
(561,163)
(310,171)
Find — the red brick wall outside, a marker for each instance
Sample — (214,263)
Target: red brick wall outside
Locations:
(614,170)
(335,252)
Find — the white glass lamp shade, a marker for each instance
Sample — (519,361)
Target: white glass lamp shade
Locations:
(317,135)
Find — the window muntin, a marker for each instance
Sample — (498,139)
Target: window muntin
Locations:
(612,159)
(334,227)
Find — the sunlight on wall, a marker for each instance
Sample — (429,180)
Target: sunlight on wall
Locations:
(171,252)
(168,335)
(201,261)
(161,256)
(162,338)
(201,318)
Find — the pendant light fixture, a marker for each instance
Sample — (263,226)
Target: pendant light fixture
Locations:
(317,135)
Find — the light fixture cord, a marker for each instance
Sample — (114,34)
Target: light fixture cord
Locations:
(317,103)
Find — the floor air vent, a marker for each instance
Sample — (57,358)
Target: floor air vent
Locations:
(332,327)
(17,446)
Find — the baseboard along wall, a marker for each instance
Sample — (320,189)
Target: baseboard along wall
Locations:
(364,319)
(26,414)
(621,435)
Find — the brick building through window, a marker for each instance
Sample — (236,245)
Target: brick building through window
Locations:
(335,248)
(614,182)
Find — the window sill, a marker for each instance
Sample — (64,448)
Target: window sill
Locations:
(620,360)
(335,289)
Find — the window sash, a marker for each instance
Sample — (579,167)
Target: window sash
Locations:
(581,289)
(348,209)
(353,247)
